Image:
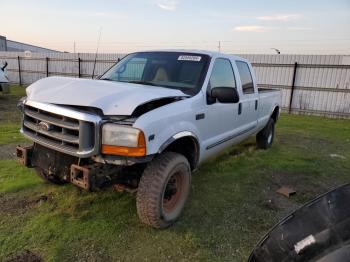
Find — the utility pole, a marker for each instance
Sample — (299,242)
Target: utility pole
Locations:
(74,47)
(219,46)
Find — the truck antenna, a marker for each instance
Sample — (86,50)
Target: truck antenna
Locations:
(98,45)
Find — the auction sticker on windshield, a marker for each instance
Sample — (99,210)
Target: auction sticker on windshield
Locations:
(189,58)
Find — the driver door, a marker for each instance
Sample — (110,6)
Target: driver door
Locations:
(220,117)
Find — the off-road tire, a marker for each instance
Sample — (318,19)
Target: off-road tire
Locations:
(49,179)
(151,208)
(264,138)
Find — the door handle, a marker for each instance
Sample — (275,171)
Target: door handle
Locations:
(256,104)
(240,108)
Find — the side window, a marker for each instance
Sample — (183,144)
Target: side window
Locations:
(222,74)
(133,70)
(246,77)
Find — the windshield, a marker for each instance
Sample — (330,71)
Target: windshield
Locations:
(184,71)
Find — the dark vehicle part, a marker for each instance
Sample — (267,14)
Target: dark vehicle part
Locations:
(225,94)
(151,105)
(93,177)
(55,166)
(49,177)
(60,168)
(4,66)
(318,231)
(163,190)
(24,155)
(49,164)
(186,144)
(124,188)
(264,138)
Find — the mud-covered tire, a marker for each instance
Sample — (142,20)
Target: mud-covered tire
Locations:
(158,204)
(49,179)
(265,137)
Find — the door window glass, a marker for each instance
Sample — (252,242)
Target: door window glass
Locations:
(246,77)
(222,74)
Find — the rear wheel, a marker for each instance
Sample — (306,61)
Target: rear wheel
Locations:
(49,178)
(264,138)
(163,190)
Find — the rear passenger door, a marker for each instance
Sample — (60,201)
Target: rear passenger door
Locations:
(248,103)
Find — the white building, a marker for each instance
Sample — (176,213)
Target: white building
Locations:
(14,46)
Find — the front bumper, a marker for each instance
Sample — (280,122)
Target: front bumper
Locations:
(24,155)
(83,173)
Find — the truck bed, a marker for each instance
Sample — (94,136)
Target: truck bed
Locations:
(268,99)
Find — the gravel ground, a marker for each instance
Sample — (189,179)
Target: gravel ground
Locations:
(8,151)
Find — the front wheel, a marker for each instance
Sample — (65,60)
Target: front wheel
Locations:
(264,138)
(163,190)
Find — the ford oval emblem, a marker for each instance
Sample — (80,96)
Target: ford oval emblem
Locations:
(44,126)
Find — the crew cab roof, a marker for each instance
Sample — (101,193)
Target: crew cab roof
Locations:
(195,51)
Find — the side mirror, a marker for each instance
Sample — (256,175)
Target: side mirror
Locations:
(225,94)
(5,65)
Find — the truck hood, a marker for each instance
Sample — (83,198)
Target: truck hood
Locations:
(113,98)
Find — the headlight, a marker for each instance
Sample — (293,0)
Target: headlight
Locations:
(122,140)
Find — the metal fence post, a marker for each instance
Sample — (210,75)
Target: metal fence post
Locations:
(19,71)
(292,87)
(47,67)
(79,61)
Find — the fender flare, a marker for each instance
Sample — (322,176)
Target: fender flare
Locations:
(177,136)
(184,134)
(278,113)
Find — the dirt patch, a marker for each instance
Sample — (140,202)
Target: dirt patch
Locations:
(274,201)
(11,204)
(303,183)
(245,148)
(8,151)
(25,256)
(306,190)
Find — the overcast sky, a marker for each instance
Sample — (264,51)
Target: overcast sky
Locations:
(253,26)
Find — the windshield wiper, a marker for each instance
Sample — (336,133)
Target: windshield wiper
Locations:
(141,82)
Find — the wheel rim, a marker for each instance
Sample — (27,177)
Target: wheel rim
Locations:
(172,193)
(269,138)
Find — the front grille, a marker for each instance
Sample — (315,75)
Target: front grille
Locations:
(62,129)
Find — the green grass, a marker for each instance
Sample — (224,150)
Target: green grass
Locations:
(10,116)
(9,133)
(232,203)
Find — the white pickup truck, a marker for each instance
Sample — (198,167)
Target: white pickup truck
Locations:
(145,125)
